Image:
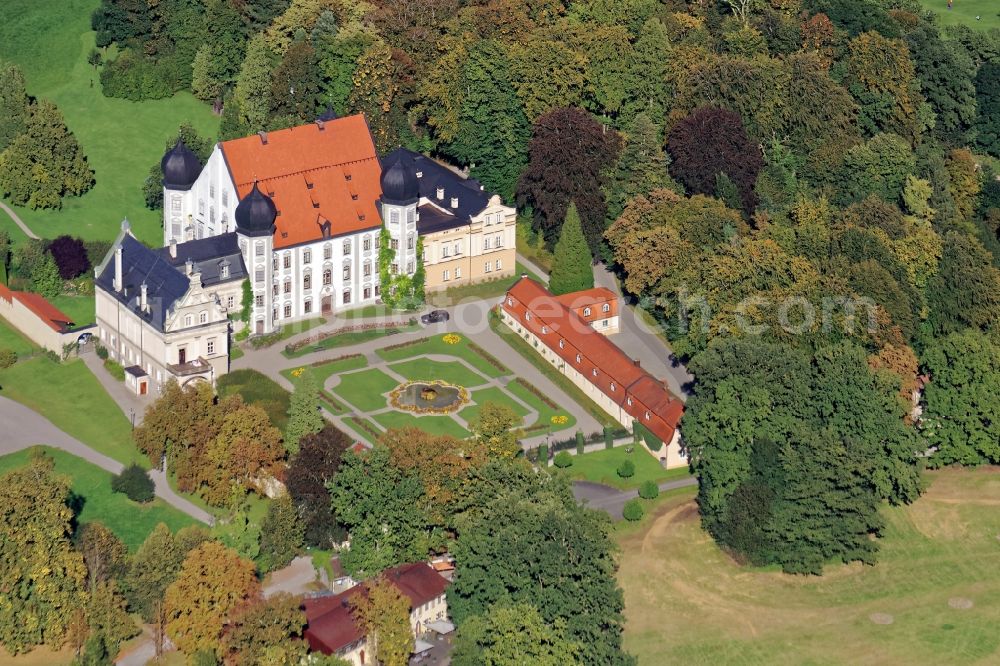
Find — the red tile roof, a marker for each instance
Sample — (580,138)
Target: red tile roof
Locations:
(600,360)
(593,298)
(314,175)
(41,308)
(331,625)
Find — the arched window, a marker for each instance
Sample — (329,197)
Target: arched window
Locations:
(327,276)
(578,358)
(594,372)
(647,415)
(606,307)
(307,281)
(629,401)
(288,310)
(612,387)
(586,312)
(327,251)
(545,330)
(347,296)
(562,344)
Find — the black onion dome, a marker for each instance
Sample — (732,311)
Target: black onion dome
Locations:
(255,214)
(399,179)
(180,167)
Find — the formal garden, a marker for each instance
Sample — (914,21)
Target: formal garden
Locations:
(437,383)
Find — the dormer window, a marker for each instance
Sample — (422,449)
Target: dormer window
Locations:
(510,301)
(562,344)
(420,174)
(545,330)
(440,193)
(586,312)
(579,358)
(224,271)
(647,415)
(527,316)
(594,372)
(628,400)
(606,307)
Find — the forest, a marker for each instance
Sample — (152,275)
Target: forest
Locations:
(803,193)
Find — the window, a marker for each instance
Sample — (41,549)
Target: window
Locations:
(562,344)
(307,256)
(409,243)
(393,244)
(604,323)
(368,269)
(409,266)
(612,386)
(327,251)
(594,372)
(225,197)
(307,281)
(210,347)
(175,204)
(286,261)
(327,276)
(188,320)
(347,247)
(458,247)
(445,253)
(368,293)
(274,289)
(629,401)
(498,264)
(378,241)
(224,272)
(288,310)
(510,301)
(498,240)
(274,263)
(486,243)
(230,302)
(578,358)
(647,415)
(545,330)
(411,217)
(307,307)
(367,243)
(211,214)
(446,275)
(347,296)
(394,217)
(258,250)
(393,268)
(458,272)
(259,300)
(527,316)
(606,307)
(488,267)
(347,271)
(203,317)
(211,191)
(586,312)
(201,206)
(258,274)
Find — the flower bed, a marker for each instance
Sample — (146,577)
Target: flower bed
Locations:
(546,400)
(488,357)
(326,361)
(408,343)
(389,326)
(452,338)
(462,398)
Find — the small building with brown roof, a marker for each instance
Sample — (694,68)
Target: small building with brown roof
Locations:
(331,627)
(595,364)
(597,306)
(36,318)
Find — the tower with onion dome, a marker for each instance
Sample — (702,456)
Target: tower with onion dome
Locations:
(181,169)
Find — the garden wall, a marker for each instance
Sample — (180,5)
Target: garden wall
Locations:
(40,321)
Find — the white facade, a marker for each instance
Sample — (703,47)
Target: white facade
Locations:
(207,209)
(401,223)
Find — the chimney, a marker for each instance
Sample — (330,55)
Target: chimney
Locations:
(454,202)
(263,137)
(319,124)
(636,361)
(118,268)
(173,248)
(142,297)
(189,267)
(524,276)
(440,193)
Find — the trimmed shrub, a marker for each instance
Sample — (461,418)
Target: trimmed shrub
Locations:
(633,510)
(626,470)
(609,437)
(102,352)
(543,455)
(114,369)
(135,483)
(649,490)
(563,460)
(579,441)
(8,357)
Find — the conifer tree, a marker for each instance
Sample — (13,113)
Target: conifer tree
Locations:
(571,269)
(303,413)
(641,168)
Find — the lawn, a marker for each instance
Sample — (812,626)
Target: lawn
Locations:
(452,372)
(601,466)
(965,12)
(433,423)
(687,602)
(349,338)
(435,344)
(258,389)
(11,338)
(132,522)
(365,389)
(70,396)
(545,413)
(79,309)
(121,139)
(320,373)
(480,290)
(491,394)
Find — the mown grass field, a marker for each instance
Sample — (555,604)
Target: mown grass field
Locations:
(686,602)
(50,40)
(70,396)
(965,12)
(601,467)
(257,388)
(130,521)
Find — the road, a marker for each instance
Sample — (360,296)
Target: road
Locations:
(23,428)
(18,221)
(612,500)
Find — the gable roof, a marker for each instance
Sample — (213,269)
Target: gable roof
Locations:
(331,626)
(601,361)
(321,172)
(165,285)
(50,315)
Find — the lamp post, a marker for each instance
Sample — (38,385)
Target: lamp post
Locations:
(131,414)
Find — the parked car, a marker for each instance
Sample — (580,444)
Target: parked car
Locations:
(435,316)
(84,339)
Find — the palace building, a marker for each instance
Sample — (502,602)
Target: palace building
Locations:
(566,332)
(307,205)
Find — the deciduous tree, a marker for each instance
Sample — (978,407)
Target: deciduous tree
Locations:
(103,553)
(494,427)
(70,256)
(304,417)
(309,471)
(965,292)
(212,583)
(281,534)
(511,635)
(13,104)
(384,613)
(265,632)
(155,566)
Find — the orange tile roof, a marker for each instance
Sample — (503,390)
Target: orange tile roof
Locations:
(41,308)
(578,301)
(551,320)
(314,175)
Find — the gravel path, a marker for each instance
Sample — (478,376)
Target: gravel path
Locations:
(18,221)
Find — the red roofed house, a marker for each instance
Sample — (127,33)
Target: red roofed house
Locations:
(331,628)
(604,372)
(307,205)
(43,323)
(597,306)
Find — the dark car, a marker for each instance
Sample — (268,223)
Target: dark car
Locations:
(434,316)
